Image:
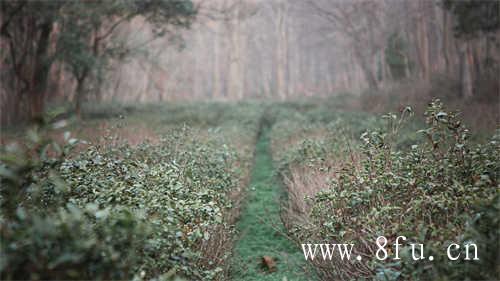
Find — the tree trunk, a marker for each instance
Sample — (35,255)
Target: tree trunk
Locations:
(235,64)
(423,44)
(446,40)
(79,96)
(217,70)
(465,81)
(281,51)
(38,85)
(366,68)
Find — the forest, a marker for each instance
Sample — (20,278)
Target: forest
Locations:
(216,139)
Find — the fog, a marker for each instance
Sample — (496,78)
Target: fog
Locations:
(287,49)
(278,49)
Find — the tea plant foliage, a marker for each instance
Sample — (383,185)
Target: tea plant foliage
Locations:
(114,213)
(439,189)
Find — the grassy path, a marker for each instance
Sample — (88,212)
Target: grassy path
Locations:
(258,237)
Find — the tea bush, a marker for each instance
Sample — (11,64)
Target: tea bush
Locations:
(315,135)
(73,243)
(120,212)
(180,184)
(443,188)
(60,240)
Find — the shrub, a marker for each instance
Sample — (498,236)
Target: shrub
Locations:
(426,192)
(73,243)
(115,213)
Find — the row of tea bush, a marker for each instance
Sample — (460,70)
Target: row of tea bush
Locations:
(353,177)
(152,211)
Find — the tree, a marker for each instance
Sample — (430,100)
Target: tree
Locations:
(26,27)
(396,56)
(360,23)
(85,47)
(82,31)
(475,18)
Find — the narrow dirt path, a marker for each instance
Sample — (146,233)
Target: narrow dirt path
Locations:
(259,219)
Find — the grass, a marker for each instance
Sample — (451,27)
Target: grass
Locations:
(260,227)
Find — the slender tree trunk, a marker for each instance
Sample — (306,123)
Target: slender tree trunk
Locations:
(423,42)
(41,71)
(475,64)
(281,51)
(242,58)
(198,76)
(117,84)
(465,79)
(216,72)
(235,82)
(79,92)
(446,41)
(366,69)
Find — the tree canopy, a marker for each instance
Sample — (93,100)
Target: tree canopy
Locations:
(75,33)
(474,16)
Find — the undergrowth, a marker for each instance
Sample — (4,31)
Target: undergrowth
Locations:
(166,210)
(435,188)
(150,211)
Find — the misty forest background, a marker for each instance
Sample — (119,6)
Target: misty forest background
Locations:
(73,52)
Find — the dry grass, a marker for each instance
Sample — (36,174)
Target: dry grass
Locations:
(302,183)
(305,182)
